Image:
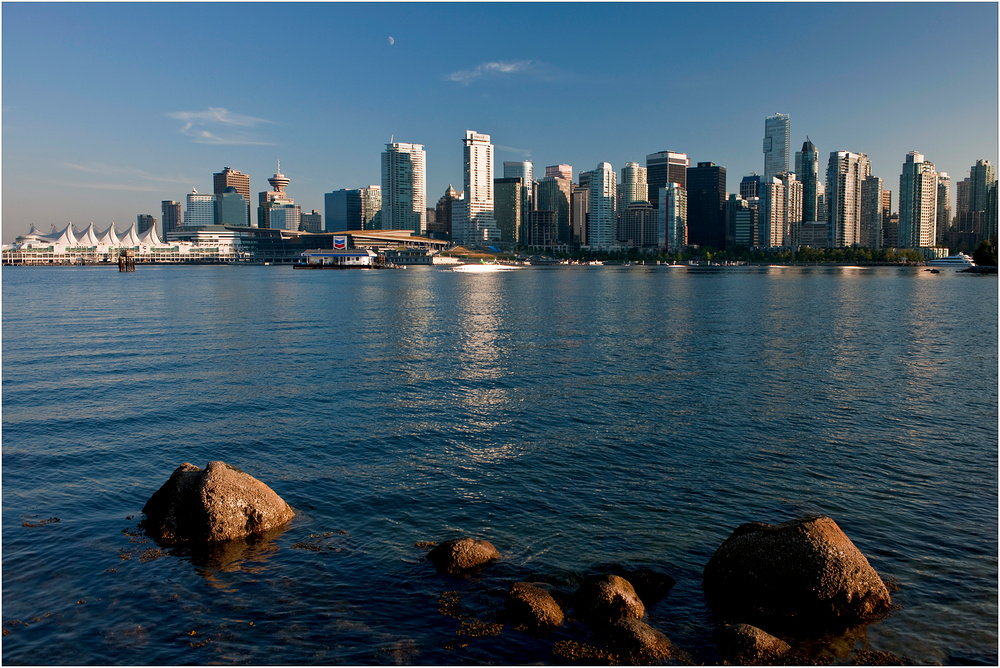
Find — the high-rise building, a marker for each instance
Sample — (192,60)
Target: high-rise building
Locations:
(706,197)
(230,208)
(143,222)
(444,212)
(238,180)
(750,186)
(404,187)
(982,209)
(671,218)
(776,133)
(371,207)
(793,208)
(335,210)
(771,213)
(311,222)
(809,175)
(172,220)
(917,202)
(523,170)
(541,228)
(602,225)
(554,193)
(633,186)
(507,208)
(943,205)
(637,226)
(844,175)
(741,222)
(560,171)
(479,226)
(200,209)
(277,197)
(871,212)
(662,168)
(579,203)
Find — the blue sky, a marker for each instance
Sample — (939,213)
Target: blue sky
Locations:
(110,108)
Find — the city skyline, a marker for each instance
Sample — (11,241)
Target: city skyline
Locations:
(99,129)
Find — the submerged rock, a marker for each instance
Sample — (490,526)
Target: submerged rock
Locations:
(218,503)
(636,642)
(745,645)
(603,599)
(803,574)
(532,606)
(461,555)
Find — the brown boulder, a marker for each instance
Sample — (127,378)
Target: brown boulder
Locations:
(218,503)
(532,606)
(635,642)
(461,555)
(745,645)
(602,599)
(804,574)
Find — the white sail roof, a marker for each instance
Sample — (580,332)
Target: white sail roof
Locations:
(149,238)
(130,238)
(66,237)
(88,238)
(108,237)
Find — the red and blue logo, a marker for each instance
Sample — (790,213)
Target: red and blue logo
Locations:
(340,243)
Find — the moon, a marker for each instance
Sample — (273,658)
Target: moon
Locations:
(391,40)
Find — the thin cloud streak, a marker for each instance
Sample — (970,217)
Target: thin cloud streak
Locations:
(124,170)
(465,77)
(213,118)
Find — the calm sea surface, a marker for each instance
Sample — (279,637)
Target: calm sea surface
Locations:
(576,417)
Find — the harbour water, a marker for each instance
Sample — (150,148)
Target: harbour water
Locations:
(576,417)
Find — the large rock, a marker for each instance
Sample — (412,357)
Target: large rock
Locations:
(635,642)
(603,599)
(218,503)
(532,606)
(461,555)
(804,575)
(745,645)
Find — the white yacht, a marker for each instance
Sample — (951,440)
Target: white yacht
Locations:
(956,260)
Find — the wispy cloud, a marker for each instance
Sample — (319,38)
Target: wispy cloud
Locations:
(120,177)
(217,125)
(493,68)
(523,152)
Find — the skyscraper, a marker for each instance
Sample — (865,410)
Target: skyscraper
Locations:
(982,210)
(579,203)
(271,199)
(443,212)
(750,185)
(230,208)
(232,177)
(507,208)
(200,209)
(793,208)
(771,215)
(602,225)
(706,197)
(943,205)
(637,226)
(844,175)
(143,222)
(871,212)
(479,224)
(663,168)
(523,170)
(404,187)
(671,218)
(741,222)
(917,202)
(633,186)
(554,193)
(809,176)
(171,216)
(311,222)
(776,133)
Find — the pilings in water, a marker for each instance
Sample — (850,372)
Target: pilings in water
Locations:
(126,263)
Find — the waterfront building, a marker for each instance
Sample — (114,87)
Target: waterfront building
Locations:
(507,208)
(172,220)
(200,209)
(706,197)
(776,134)
(918,186)
(808,173)
(277,197)
(479,224)
(872,213)
(771,213)
(370,213)
(602,225)
(404,187)
(444,212)
(554,193)
(579,203)
(662,168)
(523,170)
(284,215)
(671,218)
(143,222)
(750,186)
(793,208)
(637,227)
(741,222)
(311,222)
(230,207)
(981,211)
(844,175)
(233,178)
(542,229)
(890,232)
(943,205)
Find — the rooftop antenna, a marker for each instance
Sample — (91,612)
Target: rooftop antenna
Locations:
(391,137)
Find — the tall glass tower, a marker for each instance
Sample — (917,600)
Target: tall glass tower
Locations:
(776,130)
(810,182)
(404,187)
